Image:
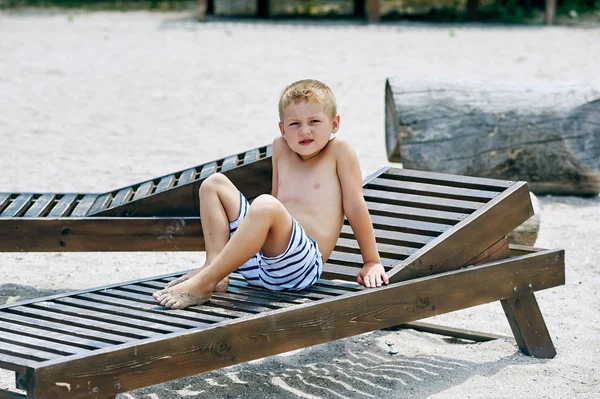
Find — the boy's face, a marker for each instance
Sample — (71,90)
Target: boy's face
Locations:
(307,128)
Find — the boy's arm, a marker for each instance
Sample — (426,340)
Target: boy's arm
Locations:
(372,273)
(274,158)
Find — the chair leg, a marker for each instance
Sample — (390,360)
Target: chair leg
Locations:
(528,326)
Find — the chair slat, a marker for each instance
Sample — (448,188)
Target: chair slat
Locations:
(39,344)
(147,304)
(143,190)
(165,183)
(409,226)
(66,339)
(251,156)
(122,197)
(406,212)
(356,260)
(187,176)
(269,150)
(18,206)
(136,316)
(84,205)
(391,251)
(55,314)
(41,205)
(208,170)
(478,183)
(14,362)
(67,329)
(4,200)
(27,353)
(63,206)
(140,293)
(434,190)
(100,315)
(148,309)
(229,163)
(421,201)
(394,237)
(101,203)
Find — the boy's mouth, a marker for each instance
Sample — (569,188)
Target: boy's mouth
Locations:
(306,142)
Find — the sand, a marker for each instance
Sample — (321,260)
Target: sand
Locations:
(90,102)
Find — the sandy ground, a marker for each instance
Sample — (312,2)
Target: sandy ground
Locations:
(93,102)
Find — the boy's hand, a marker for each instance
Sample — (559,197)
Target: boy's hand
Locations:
(372,275)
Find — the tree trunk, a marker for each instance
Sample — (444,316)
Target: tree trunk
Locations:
(546,135)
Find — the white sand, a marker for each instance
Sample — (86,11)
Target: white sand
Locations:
(99,101)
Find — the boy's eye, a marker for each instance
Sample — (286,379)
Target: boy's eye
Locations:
(315,121)
(293,123)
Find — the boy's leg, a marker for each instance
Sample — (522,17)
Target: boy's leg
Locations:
(267,226)
(219,204)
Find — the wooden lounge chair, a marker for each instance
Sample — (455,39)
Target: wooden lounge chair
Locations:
(160,214)
(103,341)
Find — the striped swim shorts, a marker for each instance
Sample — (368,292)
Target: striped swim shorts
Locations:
(297,268)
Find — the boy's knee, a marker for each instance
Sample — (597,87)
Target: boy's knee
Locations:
(212,182)
(265,203)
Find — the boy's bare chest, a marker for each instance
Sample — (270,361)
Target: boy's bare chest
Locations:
(307,184)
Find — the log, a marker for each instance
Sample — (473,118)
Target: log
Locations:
(547,135)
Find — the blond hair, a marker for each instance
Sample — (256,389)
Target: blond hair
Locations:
(308,90)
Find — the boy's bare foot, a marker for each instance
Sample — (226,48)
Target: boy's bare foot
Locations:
(171,299)
(182,278)
(187,294)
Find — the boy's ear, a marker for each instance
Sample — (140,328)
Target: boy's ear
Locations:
(335,124)
(281,129)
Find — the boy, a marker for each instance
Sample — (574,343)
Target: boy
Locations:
(282,240)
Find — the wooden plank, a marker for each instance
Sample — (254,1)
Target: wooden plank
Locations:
(478,183)
(406,212)
(409,226)
(101,234)
(356,260)
(165,183)
(251,156)
(434,190)
(53,336)
(527,324)
(101,317)
(390,251)
(39,344)
(77,321)
(210,306)
(68,330)
(143,190)
(144,295)
(208,170)
(139,315)
(41,205)
(187,176)
(160,359)
(15,363)
(518,250)
(18,206)
(470,237)
(460,333)
(229,163)
(123,196)
(421,201)
(269,151)
(84,205)
(101,203)
(4,200)
(36,355)
(393,237)
(63,206)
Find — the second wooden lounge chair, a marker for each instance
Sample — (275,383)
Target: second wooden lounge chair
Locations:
(100,342)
